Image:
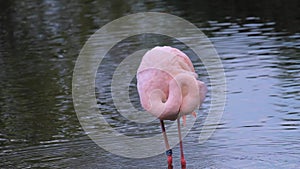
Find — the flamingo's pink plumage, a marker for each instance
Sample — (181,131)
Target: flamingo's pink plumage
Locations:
(167,83)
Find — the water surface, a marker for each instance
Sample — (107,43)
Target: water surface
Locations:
(258,43)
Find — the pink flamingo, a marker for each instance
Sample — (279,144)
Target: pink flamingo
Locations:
(168,89)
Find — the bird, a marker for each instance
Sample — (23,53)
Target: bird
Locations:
(168,89)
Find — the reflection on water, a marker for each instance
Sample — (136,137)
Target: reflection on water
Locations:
(259,46)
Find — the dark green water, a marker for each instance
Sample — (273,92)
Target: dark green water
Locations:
(258,42)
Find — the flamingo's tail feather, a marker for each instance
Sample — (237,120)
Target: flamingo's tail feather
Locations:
(194,114)
(184,120)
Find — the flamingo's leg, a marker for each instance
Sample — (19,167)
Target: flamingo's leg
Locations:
(183,162)
(169,151)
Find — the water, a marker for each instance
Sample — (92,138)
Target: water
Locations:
(259,46)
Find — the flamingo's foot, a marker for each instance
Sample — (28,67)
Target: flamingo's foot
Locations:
(170,160)
(183,163)
(170,166)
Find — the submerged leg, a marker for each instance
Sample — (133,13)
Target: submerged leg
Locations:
(169,151)
(183,162)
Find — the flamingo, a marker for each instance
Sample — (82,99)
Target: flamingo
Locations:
(168,89)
